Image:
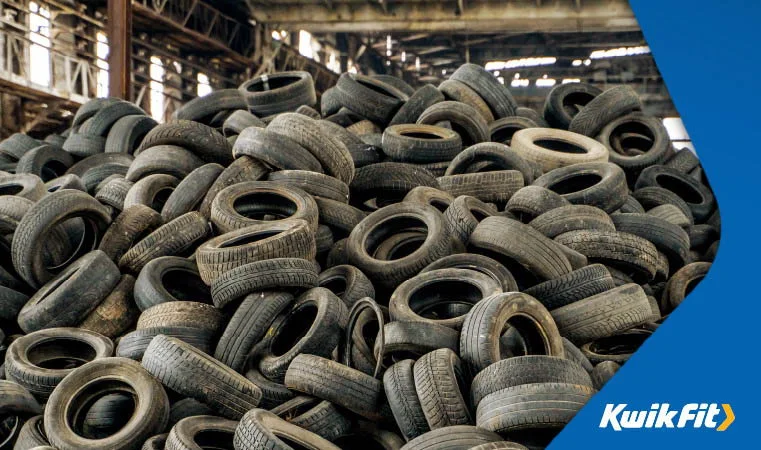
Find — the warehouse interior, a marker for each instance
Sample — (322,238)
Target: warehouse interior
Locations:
(55,54)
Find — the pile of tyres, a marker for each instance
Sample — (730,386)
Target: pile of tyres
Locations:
(435,268)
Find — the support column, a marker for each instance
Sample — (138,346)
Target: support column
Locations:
(119,31)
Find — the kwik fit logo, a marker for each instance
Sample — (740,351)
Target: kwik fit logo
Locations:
(712,416)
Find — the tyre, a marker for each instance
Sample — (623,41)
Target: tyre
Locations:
(382,224)
(128,227)
(186,370)
(28,358)
(415,339)
(127,133)
(503,130)
(402,398)
(269,274)
(248,325)
(477,263)
(698,197)
(316,320)
(572,287)
(572,218)
(532,201)
(418,102)
(460,92)
(276,93)
(291,238)
(151,191)
(35,229)
(465,120)
(420,143)
(163,159)
(603,314)
(116,313)
(611,104)
(497,156)
(202,140)
(262,429)
(631,254)
(480,338)
(199,316)
(190,192)
(169,279)
(491,187)
(244,168)
(65,409)
(521,370)
(552,149)
(565,101)
(276,150)
(316,184)
(441,296)
(441,388)
(654,147)
(370,98)
(171,239)
(327,149)
(527,254)
(602,185)
(346,282)
(90,279)
(540,409)
(195,433)
(496,95)
(388,182)
(338,384)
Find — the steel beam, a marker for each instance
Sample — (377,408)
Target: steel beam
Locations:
(119,31)
(595,15)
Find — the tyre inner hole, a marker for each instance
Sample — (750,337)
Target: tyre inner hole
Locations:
(557,145)
(300,409)
(293,329)
(680,188)
(623,344)
(82,238)
(441,205)
(534,338)
(633,144)
(444,299)
(336,285)
(264,206)
(185,285)
(214,440)
(249,238)
(388,228)
(575,183)
(358,442)
(160,198)
(52,170)
(575,101)
(11,189)
(272,83)
(633,135)
(83,401)
(109,414)
(420,135)
(505,134)
(60,354)
(397,247)
(8,427)
(375,87)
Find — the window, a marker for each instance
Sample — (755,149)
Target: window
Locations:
(157,73)
(204,86)
(39,51)
(101,52)
(305,44)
